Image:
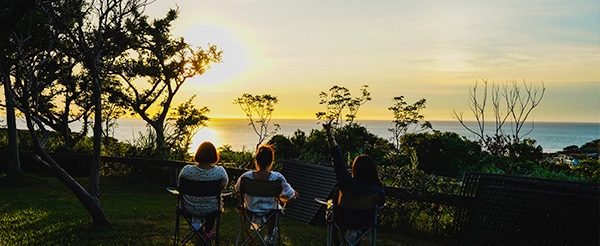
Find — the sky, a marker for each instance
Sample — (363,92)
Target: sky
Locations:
(432,49)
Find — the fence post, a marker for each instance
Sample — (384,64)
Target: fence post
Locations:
(174,176)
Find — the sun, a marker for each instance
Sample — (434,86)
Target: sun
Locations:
(206,134)
(234,56)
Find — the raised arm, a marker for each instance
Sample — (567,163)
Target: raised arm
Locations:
(330,138)
(340,167)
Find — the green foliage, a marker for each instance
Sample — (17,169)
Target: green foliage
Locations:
(525,151)
(407,117)
(298,139)
(339,100)
(186,121)
(588,148)
(591,147)
(442,153)
(114,147)
(165,63)
(284,147)
(420,182)
(354,139)
(315,147)
(144,145)
(239,159)
(588,169)
(419,218)
(3,139)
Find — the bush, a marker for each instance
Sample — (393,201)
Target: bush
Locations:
(284,147)
(442,153)
(240,159)
(424,219)
(588,170)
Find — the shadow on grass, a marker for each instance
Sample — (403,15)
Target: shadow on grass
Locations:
(39,210)
(23,180)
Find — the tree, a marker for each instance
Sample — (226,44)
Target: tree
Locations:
(37,72)
(186,121)
(97,34)
(339,99)
(405,117)
(11,13)
(165,64)
(442,153)
(69,35)
(14,163)
(509,104)
(259,110)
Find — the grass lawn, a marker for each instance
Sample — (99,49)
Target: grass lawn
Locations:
(39,210)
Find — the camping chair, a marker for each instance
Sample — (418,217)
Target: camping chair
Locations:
(200,189)
(254,226)
(356,217)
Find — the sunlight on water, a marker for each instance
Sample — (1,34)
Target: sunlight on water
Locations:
(206,134)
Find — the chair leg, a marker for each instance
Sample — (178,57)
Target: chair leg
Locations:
(238,229)
(374,237)
(218,226)
(176,236)
(275,232)
(248,233)
(329,237)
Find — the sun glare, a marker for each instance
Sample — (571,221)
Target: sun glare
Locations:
(205,134)
(234,60)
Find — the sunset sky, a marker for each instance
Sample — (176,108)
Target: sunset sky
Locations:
(418,49)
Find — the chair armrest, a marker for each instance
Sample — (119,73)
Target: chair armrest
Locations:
(327,203)
(173,191)
(227,193)
(285,200)
(321,201)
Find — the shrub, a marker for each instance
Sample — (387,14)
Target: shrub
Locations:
(442,153)
(238,158)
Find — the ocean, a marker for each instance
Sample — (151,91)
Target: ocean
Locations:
(552,136)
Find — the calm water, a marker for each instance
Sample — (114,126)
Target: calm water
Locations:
(238,134)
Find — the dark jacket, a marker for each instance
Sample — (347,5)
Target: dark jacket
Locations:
(345,181)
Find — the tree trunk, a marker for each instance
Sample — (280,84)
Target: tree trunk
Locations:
(91,203)
(96,156)
(160,138)
(14,163)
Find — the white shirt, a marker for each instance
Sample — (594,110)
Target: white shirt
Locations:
(203,205)
(260,204)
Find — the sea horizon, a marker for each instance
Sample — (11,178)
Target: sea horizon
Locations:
(236,132)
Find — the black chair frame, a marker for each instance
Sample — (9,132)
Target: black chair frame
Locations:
(199,189)
(254,232)
(341,207)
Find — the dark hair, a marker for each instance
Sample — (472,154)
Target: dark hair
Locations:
(264,156)
(365,169)
(207,153)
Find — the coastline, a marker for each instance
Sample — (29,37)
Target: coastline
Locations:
(236,132)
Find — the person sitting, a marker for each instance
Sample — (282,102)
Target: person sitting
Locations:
(261,205)
(363,181)
(204,170)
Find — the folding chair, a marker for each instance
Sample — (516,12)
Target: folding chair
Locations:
(254,226)
(198,189)
(356,217)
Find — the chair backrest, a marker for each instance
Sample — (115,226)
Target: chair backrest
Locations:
(262,188)
(200,188)
(350,200)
